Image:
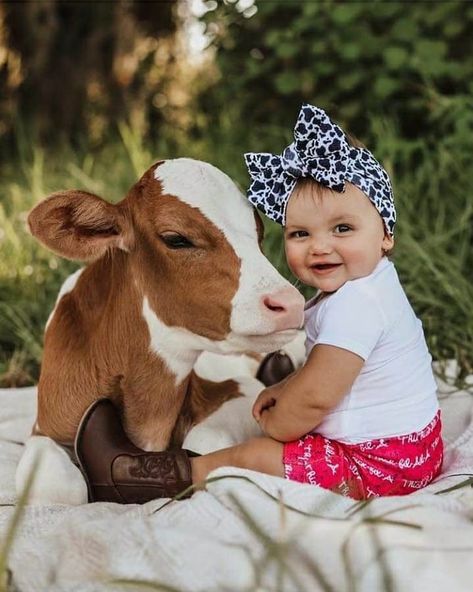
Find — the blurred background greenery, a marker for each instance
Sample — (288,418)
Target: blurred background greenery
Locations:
(91,93)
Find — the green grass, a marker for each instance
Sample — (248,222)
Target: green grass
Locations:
(30,275)
(6,584)
(433,252)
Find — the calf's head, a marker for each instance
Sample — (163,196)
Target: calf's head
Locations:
(192,246)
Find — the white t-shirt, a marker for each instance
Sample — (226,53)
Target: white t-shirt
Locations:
(395,392)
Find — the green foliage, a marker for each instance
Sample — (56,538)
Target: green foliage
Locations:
(434,253)
(71,69)
(356,59)
(398,74)
(30,275)
(434,234)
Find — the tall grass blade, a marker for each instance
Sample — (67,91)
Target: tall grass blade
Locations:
(5,576)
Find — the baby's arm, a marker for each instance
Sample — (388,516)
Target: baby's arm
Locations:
(309,394)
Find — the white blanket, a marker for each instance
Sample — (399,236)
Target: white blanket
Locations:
(248,531)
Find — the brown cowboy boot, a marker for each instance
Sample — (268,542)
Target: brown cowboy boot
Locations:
(116,470)
(275,367)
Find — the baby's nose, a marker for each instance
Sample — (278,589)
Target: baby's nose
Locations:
(320,246)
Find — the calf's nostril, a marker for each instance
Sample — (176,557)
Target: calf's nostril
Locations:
(273,305)
(283,309)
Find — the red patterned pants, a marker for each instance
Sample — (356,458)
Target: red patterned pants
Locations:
(387,466)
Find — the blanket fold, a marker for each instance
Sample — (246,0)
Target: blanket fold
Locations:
(248,531)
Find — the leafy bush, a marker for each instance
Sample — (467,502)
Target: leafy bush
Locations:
(356,59)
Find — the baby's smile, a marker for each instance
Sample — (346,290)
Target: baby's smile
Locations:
(324,268)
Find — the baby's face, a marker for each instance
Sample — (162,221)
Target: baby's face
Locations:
(332,237)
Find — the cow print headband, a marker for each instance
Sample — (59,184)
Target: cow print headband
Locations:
(321,151)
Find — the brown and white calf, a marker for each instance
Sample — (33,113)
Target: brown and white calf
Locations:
(174,269)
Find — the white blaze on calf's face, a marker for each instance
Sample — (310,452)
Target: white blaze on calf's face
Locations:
(203,186)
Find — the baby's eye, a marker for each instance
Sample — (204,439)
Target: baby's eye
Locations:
(342,228)
(298,234)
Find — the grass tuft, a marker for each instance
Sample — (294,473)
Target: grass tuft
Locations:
(6,583)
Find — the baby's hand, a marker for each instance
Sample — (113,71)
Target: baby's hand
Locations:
(266,399)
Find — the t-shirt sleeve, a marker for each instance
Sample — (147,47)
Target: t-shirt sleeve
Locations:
(351,319)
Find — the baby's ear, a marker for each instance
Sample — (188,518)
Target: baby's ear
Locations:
(388,242)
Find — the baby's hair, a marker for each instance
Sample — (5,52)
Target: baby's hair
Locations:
(355,142)
(309,186)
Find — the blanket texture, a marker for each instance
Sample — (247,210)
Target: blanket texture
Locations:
(248,531)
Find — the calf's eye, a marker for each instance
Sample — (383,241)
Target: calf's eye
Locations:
(176,241)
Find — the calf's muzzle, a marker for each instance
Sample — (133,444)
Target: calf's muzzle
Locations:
(285,307)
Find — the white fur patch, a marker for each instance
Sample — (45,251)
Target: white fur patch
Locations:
(179,348)
(295,349)
(66,287)
(217,367)
(231,424)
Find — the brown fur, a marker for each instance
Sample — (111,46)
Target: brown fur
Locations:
(98,344)
(210,273)
(203,398)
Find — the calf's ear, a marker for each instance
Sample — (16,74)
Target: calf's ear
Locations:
(79,225)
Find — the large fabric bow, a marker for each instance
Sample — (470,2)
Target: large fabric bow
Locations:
(320,150)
